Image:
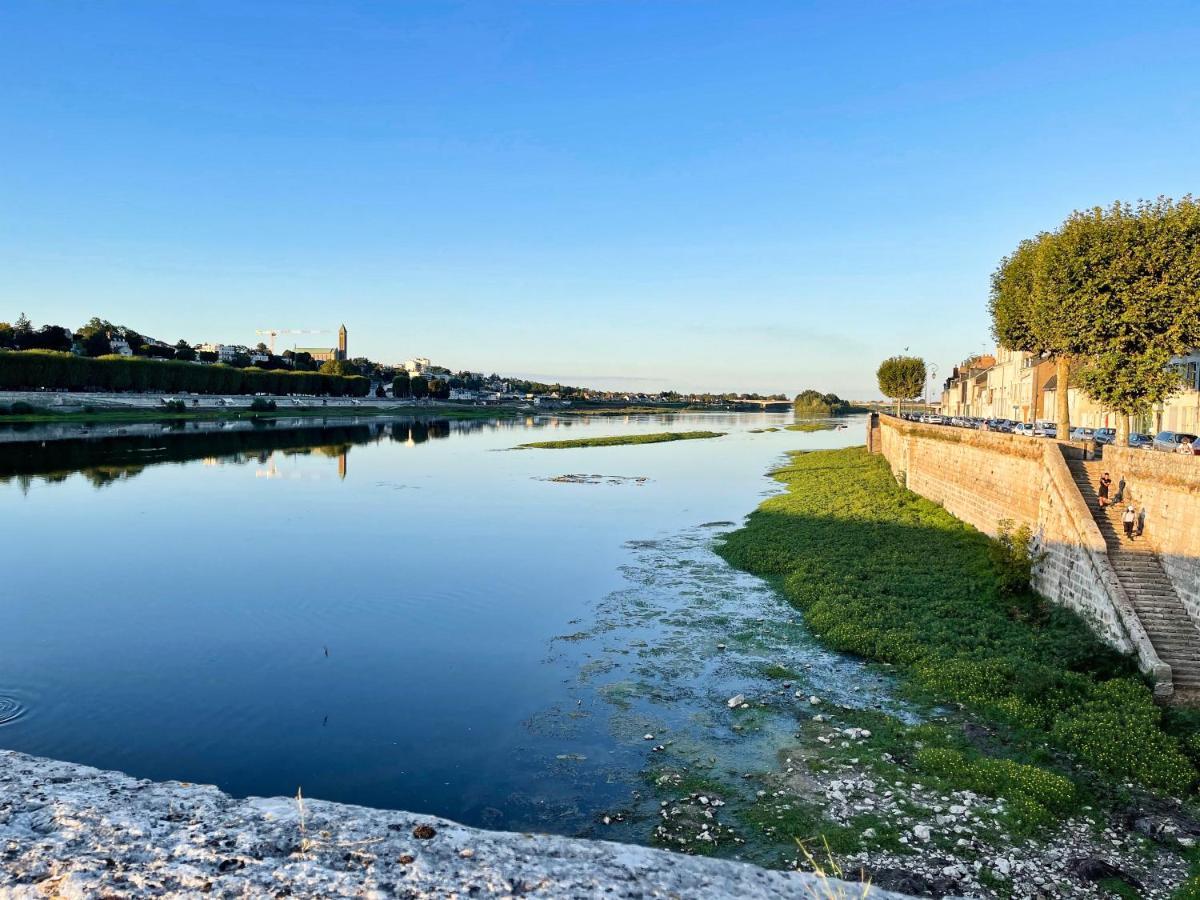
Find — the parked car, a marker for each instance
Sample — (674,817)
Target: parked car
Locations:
(1045,429)
(935,420)
(1169,441)
(1083,434)
(1141,441)
(1105,435)
(1023,428)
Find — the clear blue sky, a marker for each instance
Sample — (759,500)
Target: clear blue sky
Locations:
(708,195)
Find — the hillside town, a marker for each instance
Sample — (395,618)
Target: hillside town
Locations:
(417,377)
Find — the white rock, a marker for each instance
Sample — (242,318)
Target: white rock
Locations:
(735,701)
(922,832)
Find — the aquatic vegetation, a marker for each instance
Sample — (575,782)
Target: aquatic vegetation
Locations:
(887,575)
(620,439)
(811,426)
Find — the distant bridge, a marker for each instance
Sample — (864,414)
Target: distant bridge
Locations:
(765,404)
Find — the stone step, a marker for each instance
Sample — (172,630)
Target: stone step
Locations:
(1173,635)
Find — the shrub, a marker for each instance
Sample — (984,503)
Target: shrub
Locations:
(175,406)
(1116,731)
(21,408)
(1013,558)
(262,404)
(1036,796)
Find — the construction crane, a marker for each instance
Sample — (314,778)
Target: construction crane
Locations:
(274,331)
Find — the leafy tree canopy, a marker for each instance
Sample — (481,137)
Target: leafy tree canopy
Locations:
(901,377)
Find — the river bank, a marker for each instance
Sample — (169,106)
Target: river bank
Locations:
(1041,764)
(154,411)
(75,831)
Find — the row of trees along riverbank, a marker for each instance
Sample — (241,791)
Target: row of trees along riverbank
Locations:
(1112,296)
(38,369)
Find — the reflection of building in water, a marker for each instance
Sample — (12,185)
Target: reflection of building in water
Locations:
(342,465)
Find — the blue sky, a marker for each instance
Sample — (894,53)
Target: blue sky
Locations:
(706,195)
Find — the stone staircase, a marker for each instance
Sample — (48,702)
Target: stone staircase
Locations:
(1172,632)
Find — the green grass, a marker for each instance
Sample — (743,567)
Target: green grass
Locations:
(885,574)
(620,439)
(811,426)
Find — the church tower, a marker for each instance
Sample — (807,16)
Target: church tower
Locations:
(341,351)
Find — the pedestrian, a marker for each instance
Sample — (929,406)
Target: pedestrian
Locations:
(1141,522)
(1127,520)
(1120,490)
(1105,483)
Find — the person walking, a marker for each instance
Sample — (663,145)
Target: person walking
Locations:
(1141,522)
(1105,484)
(1127,520)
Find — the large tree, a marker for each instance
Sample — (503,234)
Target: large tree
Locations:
(400,386)
(337,367)
(1023,317)
(1142,278)
(1116,291)
(901,378)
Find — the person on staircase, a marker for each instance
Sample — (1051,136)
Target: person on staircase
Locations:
(1105,484)
(1127,519)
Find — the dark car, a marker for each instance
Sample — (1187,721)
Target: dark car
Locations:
(1169,441)
(1141,441)
(1105,435)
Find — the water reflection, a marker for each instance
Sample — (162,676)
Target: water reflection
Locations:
(106,458)
(475,634)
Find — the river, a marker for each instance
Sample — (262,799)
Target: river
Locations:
(406,615)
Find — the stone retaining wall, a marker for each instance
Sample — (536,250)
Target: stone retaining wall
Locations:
(984,478)
(1168,485)
(74,831)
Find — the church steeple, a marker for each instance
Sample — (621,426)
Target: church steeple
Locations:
(341,351)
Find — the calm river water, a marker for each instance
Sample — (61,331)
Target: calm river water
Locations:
(398,615)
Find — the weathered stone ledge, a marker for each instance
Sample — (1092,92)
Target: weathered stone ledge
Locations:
(72,831)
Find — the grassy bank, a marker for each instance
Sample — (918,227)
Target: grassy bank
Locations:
(811,426)
(884,574)
(100,416)
(620,439)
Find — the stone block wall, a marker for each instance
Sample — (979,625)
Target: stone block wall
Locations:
(983,477)
(978,476)
(1168,485)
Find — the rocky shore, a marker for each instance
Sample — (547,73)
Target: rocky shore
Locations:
(72,831)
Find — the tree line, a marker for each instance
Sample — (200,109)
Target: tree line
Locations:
(419,387)
(1111,296)
(36,369)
